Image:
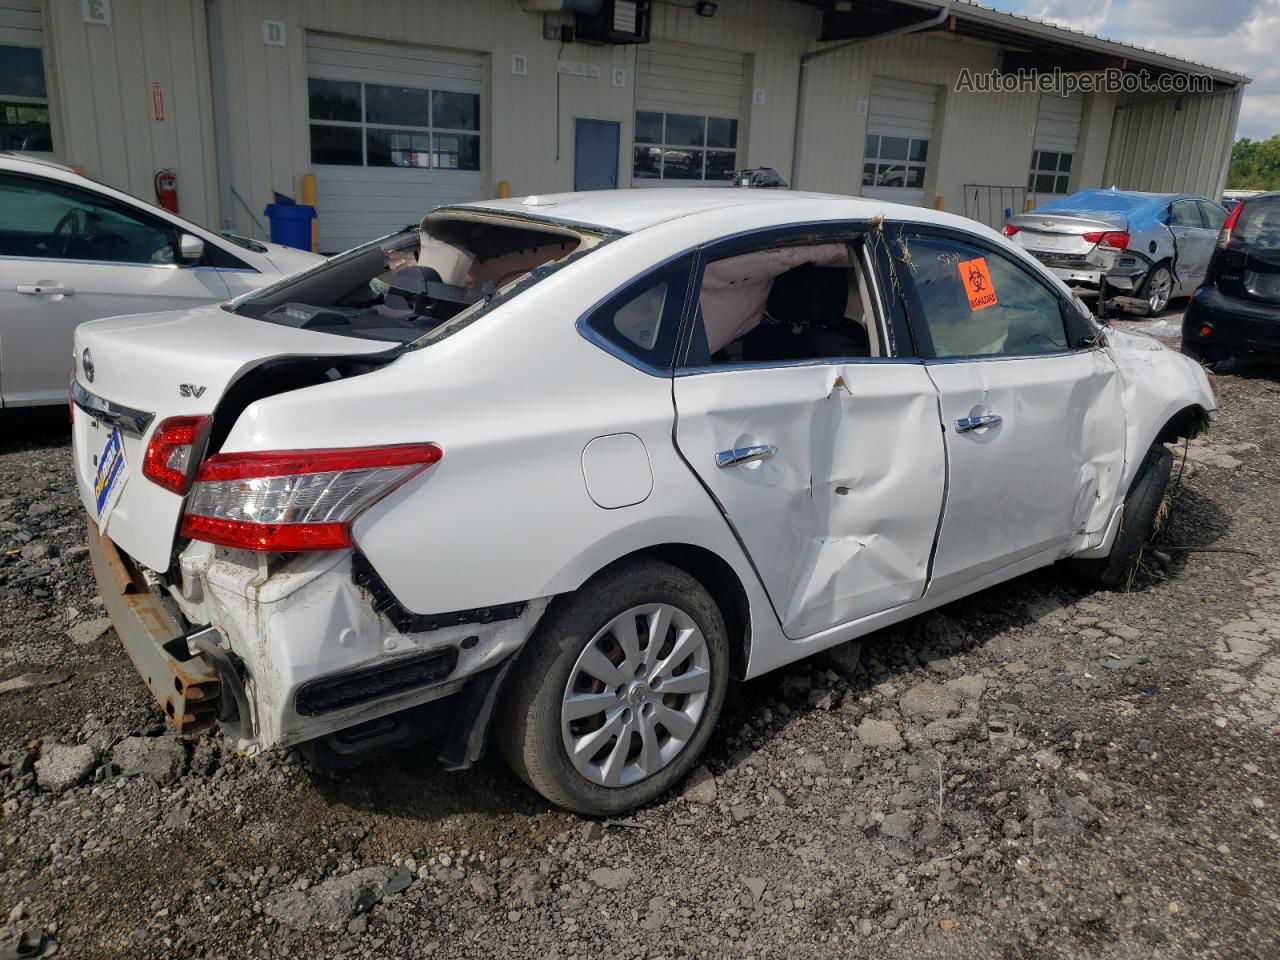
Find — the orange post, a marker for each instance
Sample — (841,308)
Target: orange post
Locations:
(504,189)
(938,203)
(309,198)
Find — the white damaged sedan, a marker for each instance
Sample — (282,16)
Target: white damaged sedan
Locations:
(554,470)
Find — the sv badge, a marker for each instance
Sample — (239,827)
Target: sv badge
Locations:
(190,390)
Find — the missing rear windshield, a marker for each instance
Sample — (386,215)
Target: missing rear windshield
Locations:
(412,284)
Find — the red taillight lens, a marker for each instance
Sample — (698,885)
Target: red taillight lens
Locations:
(1118,239)
(1224,237)
(169,456)
(1010,229)
(292,500)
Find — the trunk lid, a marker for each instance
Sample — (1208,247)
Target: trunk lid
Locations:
(132,373)
(1062,234)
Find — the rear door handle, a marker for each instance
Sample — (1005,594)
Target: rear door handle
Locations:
(966,424)
(44,288)
(730,458)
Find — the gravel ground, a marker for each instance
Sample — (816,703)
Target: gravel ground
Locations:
(1031,772)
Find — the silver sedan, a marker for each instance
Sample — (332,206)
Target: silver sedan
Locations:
(1148,247)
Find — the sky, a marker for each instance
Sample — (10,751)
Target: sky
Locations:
(1236,35)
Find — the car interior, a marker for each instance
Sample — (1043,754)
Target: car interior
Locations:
(55,221)
(414,282)
(781,304)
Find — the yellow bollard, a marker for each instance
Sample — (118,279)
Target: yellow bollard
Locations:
(938,203)
(309,198)
(504,189)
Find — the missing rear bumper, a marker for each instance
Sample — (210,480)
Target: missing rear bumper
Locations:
(186,686)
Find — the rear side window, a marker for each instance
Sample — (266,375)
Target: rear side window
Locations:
(641,323)
(1259,225)
(974,302)
(1185,213)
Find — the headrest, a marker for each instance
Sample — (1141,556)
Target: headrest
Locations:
(810,294)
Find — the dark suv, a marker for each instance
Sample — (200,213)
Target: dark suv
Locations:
(1237,308)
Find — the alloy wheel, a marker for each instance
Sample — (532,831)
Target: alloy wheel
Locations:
(1159,290)
(635,695)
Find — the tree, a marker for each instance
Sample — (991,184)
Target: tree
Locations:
(1255,165)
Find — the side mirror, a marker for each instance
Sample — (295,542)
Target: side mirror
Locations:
(190,248)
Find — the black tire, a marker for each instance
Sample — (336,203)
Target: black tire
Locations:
(1139,524)
(528,724)
(1154,276)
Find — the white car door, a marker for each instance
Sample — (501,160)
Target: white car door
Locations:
(826,461)
(68,255)
(1031,410)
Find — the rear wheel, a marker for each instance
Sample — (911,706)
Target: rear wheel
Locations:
(617,693)
(1157,289)
(1142,520)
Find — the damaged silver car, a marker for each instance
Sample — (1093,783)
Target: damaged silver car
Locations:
(1143,249)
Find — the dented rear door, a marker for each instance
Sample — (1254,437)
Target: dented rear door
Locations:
(831,474)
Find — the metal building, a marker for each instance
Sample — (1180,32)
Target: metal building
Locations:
(398,105)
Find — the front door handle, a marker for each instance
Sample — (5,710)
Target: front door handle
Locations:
(730,458)
(966,424)
(44,288)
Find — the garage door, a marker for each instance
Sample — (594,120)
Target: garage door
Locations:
(899,128)
(688,104)
(1057,135)
(395,131)
(24,104)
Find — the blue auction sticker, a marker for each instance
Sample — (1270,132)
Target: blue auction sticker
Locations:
(111,475)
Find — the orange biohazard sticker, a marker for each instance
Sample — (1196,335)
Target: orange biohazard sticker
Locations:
(977,283)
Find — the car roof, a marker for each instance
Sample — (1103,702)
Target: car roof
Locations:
(627,211)
(10,161)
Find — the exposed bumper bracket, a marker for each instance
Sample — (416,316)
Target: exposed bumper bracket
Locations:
(186,687)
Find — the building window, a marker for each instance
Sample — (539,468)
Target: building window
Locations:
(1050,171)
(679,146)
(24,105)
(895,162)
(378,125)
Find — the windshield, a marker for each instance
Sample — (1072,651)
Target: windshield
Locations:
(414,284)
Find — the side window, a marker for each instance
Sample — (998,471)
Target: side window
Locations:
(784,304)
(1214,215)
(974,302)
(44,218)
(641,323)
(1185,213)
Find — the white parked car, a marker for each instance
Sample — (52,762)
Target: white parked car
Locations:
(575,461)
(73,250)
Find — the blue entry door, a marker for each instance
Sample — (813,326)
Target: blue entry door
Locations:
(595,154)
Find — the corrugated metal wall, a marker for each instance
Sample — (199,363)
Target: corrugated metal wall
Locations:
(967,125)
(103,98)
(1180,145)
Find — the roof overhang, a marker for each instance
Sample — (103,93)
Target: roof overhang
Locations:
(1026,43)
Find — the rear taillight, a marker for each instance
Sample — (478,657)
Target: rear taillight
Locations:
(293,500)
(1117,239)
(169,458)
(1224,237)
(1010,229)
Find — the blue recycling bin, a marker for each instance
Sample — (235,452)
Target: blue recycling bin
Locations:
(291,224)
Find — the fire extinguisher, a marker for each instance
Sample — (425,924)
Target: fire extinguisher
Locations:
(167,190)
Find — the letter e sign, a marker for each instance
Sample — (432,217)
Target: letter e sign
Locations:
(977,283)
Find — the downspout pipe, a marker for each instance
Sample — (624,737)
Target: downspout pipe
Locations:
(935,21)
